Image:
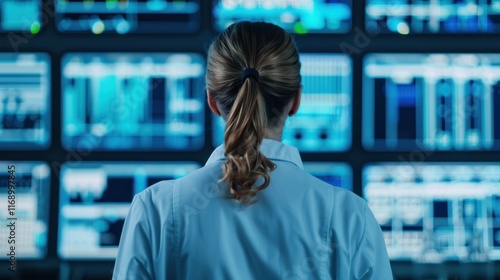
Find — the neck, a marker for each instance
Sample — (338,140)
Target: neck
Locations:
(274,133)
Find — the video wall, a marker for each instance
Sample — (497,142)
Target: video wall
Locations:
(101,99)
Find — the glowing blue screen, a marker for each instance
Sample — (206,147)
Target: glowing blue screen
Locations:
(298,16)
(133,101)
(29,212)
(440,16)
(95,198)
(431,102)
(436,212)
(24,101)
(128,16)
(20,15)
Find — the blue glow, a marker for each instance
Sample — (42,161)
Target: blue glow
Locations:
(431,102)
(437,212)
(133,101)
(323,122)
(94,201)
(24,101)
(299,16)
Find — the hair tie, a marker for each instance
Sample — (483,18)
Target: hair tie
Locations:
(250,72)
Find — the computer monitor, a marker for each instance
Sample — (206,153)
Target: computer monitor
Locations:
(142,101)
(440,16)
(323,122)
(335,174)
(436,212)
(25,193)
(431,102)
(21,16)
(298,16)
(127,16)
(94,200)
(24,101)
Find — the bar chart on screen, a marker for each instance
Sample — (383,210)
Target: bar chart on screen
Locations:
(431,102)
(133,101)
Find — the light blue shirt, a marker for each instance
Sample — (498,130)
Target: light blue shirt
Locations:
(299,228)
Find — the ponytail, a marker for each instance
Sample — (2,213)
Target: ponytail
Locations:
(252,100)
(245,128)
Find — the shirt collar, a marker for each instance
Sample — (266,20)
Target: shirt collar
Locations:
(270,148)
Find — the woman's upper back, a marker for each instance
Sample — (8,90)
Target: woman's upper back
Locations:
(299,228)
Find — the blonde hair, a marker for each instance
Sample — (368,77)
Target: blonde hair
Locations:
(252,105)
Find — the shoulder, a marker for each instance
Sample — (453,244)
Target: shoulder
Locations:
(157,192)
(349,218)
(153,205)
(350,201)
(162,193)
(343,200)
(349,208)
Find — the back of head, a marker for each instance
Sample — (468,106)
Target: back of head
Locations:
(252,104)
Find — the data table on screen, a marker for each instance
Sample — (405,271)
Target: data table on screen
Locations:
(439,16)
(323,121)
(436,212)
(298,16)
(95,198)
(30,210)
(431,102)
(24,101)
(127,16)
(21,16)
(133,101)
(334,173)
